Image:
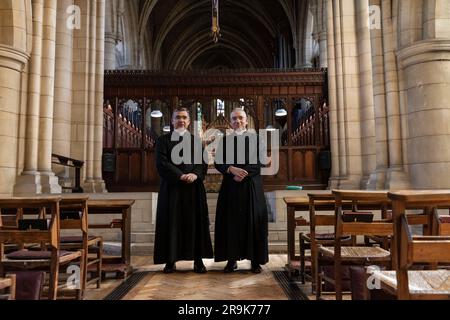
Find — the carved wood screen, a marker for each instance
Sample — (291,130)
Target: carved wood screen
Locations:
(138,106)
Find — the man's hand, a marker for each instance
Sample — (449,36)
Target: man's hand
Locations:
(238,172)
(188,178)
(238,179)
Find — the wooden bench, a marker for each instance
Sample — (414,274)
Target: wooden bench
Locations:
(119,264)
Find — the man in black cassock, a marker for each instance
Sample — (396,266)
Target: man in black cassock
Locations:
(182,222)
(241,228)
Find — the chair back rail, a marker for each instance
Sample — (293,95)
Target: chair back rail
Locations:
(361,200)
(46,207)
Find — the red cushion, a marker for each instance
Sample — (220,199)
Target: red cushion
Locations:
(326,236)
(34,255)
(445,219)
(29,284)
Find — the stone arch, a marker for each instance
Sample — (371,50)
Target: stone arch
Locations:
(193,50)
(259,54)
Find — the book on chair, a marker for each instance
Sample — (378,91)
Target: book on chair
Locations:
(357,216)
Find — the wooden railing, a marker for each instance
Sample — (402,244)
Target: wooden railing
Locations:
(126,134)
(73,163)
(313,128)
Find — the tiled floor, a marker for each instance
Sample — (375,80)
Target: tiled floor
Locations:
(187,285)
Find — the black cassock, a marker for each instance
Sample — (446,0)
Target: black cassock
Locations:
(182,222)
(241,228)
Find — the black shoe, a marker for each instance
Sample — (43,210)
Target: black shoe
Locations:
(256,268)
(230,267)
(170,267)
(199,267)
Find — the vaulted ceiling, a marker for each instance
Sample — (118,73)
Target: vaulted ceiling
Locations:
(178,32)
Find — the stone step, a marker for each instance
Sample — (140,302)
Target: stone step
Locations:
(142,227)
(142,237)
(142,249)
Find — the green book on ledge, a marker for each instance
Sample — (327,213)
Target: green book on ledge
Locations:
(294,188)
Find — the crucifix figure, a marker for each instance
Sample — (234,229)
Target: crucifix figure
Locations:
(215,29)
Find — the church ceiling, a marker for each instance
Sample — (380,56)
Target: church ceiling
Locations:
(179,32)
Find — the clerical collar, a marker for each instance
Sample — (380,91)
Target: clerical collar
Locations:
(240,131)
(181,132)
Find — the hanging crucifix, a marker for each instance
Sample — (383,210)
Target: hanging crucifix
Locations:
(215,29)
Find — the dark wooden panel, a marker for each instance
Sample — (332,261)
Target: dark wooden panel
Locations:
(310,167)
(135,168)
(122,168)
(298,165)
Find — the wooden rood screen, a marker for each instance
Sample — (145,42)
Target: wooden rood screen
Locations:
(138,107)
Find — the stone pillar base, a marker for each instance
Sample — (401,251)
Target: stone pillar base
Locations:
(29,183)
(397,179)
(94,186)
(333,183)
(377,180)
(50,183)
(348,182)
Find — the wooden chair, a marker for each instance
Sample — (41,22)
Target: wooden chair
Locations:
(432,250)
(9,284)
(74,216)
(311,240)
(351,255)
(49,236)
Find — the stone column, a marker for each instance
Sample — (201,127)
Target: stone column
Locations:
(91,86)
(396,176)
(48,179)
(378,178)
(348,93)
(342,143)
(13,57)
(30,181)
(426,70)
(110,52)
(332,96)
(322,16)
(99,184)
(367,123)
(63,92)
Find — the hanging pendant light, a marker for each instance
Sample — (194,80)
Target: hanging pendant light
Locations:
(281,113)
(156,114)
